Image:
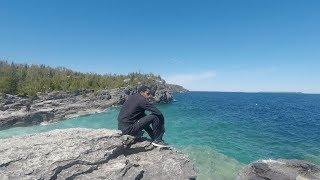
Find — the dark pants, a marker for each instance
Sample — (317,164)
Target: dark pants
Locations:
(157,124)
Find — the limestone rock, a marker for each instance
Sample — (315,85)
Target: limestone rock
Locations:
(89,154)
(280,169)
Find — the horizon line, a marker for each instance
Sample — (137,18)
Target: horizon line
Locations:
(262,92)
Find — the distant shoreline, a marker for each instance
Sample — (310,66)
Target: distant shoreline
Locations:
(56,106)
(262,92)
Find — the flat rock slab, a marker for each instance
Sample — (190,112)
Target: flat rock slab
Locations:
(80,153)
(281,169)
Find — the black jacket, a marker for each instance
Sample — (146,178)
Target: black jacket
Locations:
(133,109)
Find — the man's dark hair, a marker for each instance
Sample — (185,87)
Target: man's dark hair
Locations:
(143,88)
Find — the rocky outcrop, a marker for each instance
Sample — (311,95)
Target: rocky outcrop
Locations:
(49,107)
(89,154)
(54,106)
(280,169)
(163,96)
(176,88)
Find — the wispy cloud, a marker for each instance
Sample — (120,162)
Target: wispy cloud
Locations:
(184,79)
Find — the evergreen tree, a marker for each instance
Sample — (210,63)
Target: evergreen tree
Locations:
(28,80)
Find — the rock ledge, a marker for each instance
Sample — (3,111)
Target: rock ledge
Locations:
(80,153)
(280,169)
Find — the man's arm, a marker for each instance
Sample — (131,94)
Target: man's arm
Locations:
(150,107)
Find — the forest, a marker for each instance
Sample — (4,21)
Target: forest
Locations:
(28,80)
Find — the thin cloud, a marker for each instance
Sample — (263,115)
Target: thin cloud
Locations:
(183,79)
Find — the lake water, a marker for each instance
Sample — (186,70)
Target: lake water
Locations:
(222,132)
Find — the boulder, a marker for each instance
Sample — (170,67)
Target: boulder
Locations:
(162,96)
(280,169)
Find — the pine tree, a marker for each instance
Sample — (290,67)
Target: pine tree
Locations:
(28,80)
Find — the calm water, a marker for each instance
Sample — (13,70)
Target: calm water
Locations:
(222,132)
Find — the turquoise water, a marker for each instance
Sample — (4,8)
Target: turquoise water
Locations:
(222,132)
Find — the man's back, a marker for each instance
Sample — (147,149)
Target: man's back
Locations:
(133,109)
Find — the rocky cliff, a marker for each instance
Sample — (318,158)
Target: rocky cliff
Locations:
(89,154)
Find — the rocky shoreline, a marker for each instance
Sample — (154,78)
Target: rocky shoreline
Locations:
(280,169)
(81,153)
(55,106)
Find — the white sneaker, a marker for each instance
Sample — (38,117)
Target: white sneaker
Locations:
(160,144)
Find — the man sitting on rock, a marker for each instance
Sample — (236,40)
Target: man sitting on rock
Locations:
(132,118)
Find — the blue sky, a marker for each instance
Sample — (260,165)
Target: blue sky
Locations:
(239,45)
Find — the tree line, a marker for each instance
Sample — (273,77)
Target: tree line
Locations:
(28,80)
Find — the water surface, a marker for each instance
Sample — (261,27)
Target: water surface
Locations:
(222,132)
